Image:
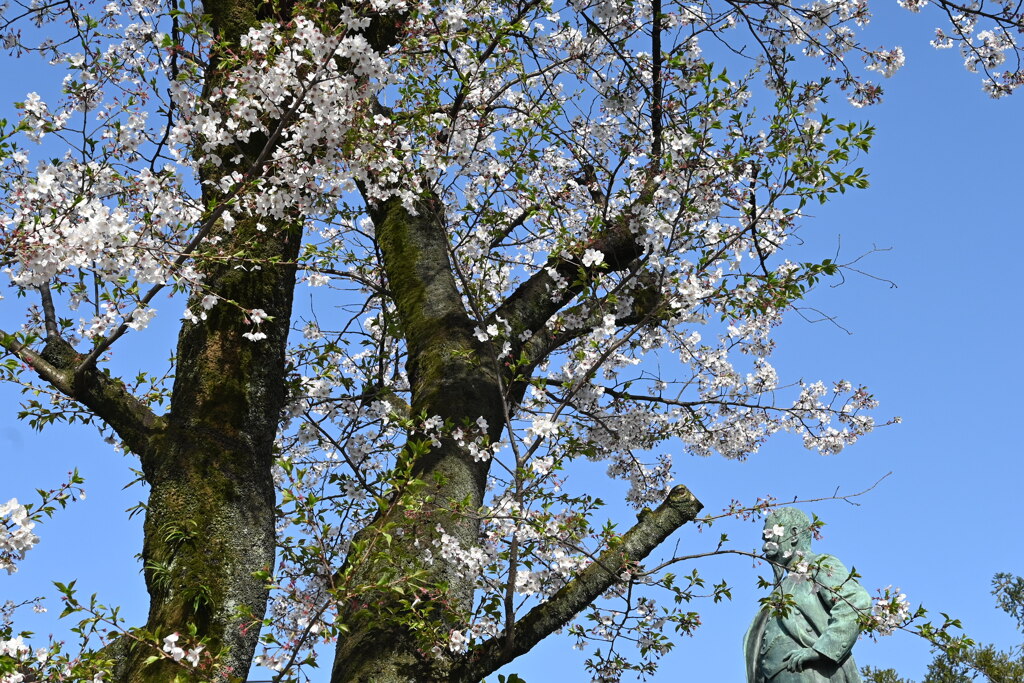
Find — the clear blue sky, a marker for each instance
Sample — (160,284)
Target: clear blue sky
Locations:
(945,199)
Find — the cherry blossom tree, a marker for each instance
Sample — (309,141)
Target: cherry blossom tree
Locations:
(536,236)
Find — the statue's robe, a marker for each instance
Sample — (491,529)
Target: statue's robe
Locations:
(825,617)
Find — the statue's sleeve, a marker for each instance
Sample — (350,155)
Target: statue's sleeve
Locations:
(845,600)
(752,643)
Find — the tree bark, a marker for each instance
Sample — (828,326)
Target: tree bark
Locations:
(453,376)
(209,528)
(210,519)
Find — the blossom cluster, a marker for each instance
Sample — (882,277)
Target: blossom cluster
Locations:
(890,611)
(178,653)
(16,537)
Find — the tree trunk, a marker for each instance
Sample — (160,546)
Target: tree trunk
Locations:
(209,531)
(453,376)
(380,645)
(210,519)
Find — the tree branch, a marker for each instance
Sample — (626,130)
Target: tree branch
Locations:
(49,313)
(649,305)
(651,529)
(105,396)
(540,297)
(518,221)
(657,96)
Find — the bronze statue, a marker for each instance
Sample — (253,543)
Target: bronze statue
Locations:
(807,635)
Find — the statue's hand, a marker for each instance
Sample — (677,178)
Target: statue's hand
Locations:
(798,660)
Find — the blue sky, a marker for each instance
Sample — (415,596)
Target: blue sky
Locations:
(945,202)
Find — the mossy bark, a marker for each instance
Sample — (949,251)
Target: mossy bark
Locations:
(210,519)
(209,528)
(453,376)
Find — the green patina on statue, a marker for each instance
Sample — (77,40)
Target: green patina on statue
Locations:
(806,631)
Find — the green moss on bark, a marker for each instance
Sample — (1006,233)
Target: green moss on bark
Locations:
(453,376)
(209,526)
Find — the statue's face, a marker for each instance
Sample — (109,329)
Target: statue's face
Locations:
(780,542)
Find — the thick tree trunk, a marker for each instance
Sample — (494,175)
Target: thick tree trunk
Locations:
(209,530)
(380,645)
(210,519)
(455,377)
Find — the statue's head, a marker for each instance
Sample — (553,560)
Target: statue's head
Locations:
(795,528)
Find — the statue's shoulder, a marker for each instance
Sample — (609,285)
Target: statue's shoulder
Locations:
(826,561)
(831,568)
(840,581)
